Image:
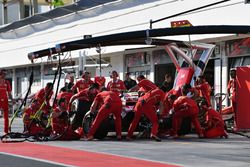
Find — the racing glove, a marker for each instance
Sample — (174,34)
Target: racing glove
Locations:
(143,102)
(107,105)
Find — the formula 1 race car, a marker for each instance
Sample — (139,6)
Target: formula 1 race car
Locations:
(144,127)
(128,101)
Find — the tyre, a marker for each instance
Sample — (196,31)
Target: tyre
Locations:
(101,132)
(126,121)
(185,127)
(144,128)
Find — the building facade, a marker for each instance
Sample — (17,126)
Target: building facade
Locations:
(115,17)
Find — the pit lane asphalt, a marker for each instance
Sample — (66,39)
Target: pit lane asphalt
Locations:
(187,151)
(9,160)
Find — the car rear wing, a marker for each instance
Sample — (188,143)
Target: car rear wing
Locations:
(196,69)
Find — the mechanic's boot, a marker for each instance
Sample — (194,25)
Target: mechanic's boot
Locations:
(119,138)
(80,132)
(225,135)
(174,135)
(89,138)
(235,129)
(129,138)
(201,136)
(156,138)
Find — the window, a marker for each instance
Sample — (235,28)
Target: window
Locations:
(148,74)
(236,62)
(239,61)
(160,57)
(238,47)
(95,60)
(246,61)
(26,11)
(37,82)
(137,59)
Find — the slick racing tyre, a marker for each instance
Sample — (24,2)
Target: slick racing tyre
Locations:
(166,124)
(101,132)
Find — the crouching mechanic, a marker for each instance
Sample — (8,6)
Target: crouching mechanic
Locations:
(43,97)
(31,126)
(204,88)
(110,103)
(213,124)
(63,94)
(60,123)
(86,97)
(147,105)
(184,107)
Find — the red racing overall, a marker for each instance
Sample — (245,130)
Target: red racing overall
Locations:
(110,103)
(85,97)
(186,107)
(65,95)
(214,125)
(60,126)
(5,89)
(32,128)
(42,97)
(205,91)
(81,85)
(116,86)
(147,85)
(147,105)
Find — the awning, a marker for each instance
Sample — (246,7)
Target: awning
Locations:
(140,38)
(55,13)
(110,18)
